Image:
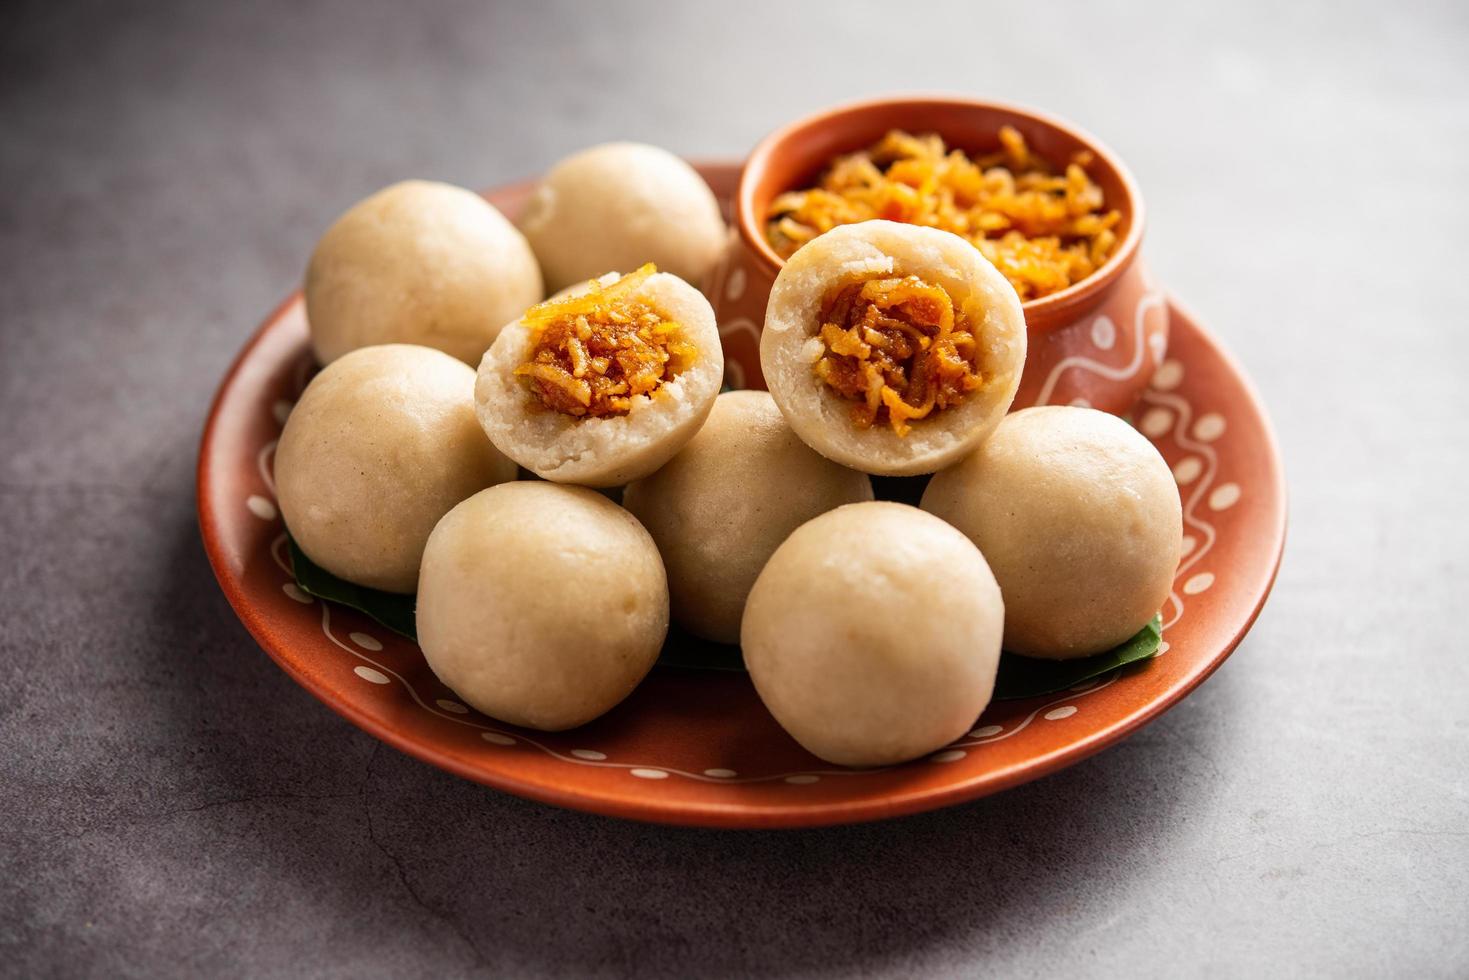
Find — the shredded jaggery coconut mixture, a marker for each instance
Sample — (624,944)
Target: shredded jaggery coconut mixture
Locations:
(1043,230)
(897,348)
(592,354)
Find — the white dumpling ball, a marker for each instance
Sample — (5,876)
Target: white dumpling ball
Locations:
(619,206)
(1080,520)
(604,384)
(541,605)
(892,348)
(720,508)
(873,634)
(382,443)
(419,262)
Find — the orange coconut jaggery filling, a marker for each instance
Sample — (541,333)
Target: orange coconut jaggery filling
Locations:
(591,355)
(1043,230)
(897,348)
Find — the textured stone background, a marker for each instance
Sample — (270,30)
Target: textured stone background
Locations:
(171,804)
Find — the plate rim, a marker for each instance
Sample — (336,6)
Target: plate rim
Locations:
(732,815)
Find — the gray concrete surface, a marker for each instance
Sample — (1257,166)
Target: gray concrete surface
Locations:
(172,805)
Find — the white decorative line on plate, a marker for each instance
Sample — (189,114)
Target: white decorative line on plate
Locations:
(294,591)
(1199,472)
(734,372)
(1132,367)
(998,734)
(265,463)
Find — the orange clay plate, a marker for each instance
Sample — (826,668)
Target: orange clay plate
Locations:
(696,746)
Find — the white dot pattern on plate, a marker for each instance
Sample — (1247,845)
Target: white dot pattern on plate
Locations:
(368,674)
(1225,495)
(453,707)
(591,754)
(721,773)
(1199,583)
(985,731)
(734,286)
(1188,544)
(649,773)
(282,410)
(1163,648)
(365,642)
(294,591)
(1056,714)
(1156,422)
(1104,333)
(1159,344)
(950,755)
(260,507)
(1168,376)
(1209,427)
(495,738)
(802,780)
(1187,470)
(1080,403)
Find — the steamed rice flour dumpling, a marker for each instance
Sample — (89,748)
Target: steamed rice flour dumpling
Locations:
(419,262)
(604,385)
(1080,520)
(873,634)
(541,605)
(381,444)
(892,348)
(619,206)
(721,507)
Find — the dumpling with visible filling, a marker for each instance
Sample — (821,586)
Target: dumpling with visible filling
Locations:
(604,385)
(892,348)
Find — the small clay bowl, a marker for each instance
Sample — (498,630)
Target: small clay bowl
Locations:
(1095,343)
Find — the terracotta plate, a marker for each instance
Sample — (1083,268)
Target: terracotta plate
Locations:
(697,747)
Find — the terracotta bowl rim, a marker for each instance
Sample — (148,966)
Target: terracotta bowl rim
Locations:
(1047,312)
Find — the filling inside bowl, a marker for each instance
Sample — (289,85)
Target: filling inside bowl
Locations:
(590,355)
(897,348)
(1043,229)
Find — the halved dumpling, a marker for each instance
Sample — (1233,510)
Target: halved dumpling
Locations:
(604,385)
(891,348)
